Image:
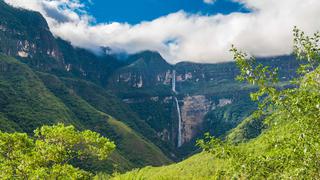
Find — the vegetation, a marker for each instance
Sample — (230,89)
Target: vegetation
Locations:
(248,129)
(28,100)
(63,84)
(52,153)
(222,119)
(287,149)
(128,141)
(214,81)
(25,103)
(84,64)
(56,82)
(105,101)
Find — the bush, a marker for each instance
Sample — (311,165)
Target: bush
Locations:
(51,154)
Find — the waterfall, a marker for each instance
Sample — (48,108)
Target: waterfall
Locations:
(178,108)
(174,81)
(179,124)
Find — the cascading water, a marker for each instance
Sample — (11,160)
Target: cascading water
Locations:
(174,81)
(178,108)
(179,125)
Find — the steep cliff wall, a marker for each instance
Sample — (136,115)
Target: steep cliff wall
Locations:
(192,112)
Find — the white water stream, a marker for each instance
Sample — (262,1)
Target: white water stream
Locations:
(174,81)
(178,108)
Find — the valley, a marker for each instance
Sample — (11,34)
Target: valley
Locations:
(170,105)
(152,110)
(183,101)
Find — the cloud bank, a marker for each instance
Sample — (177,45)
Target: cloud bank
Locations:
(265,31)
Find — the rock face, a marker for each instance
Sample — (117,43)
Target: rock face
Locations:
(192,112)
(147,70)
(202,93)
(25,34)
(209,98)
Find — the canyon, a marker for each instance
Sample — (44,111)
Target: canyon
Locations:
(183,101)
(178,102)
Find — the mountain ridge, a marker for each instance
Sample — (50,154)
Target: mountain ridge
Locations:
(47,68)
(208,96)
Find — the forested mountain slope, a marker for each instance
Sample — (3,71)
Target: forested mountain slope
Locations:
(285,142)
(27,103)
(137,102)
(37,90)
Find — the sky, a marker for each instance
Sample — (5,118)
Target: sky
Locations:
(134,12)
(180,30)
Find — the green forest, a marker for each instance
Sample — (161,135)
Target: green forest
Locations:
(287,147)
(164,99)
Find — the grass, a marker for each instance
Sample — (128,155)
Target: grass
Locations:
(197,167)
(208,166)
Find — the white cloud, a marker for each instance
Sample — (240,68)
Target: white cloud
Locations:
(209,1)
(266,31)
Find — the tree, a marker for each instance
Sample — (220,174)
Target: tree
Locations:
(51,153)
(291,144)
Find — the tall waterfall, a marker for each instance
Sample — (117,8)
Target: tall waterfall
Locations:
(178,108)
(174,81)
(179,124)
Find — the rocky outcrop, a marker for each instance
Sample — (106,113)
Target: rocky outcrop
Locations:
(224,102)
(164,135)
(192,112)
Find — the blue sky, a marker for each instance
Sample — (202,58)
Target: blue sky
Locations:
(135,11)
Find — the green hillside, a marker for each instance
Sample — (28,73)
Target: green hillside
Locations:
(27,103)
(248,129)
(48,82)
(103,100)
(150,113)
(127,140)
(279,141)
(145,84)
(24,100)
(207,166)
(201,166)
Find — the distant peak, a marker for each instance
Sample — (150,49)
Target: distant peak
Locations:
(150,54)
(148,57)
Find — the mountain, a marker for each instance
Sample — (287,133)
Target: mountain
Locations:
(25,101)
(279,141)
(41,77)
(209,97)
(29,100)
(145,73)
(25,35)
(153,110)
(81,63)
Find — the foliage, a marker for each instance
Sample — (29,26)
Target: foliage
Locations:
(51,153)
(25,103)
(222,119)
(197,167)
(105,101)
(214,81)
(288,155)
(129,141)
(287,149)
(248,129)
(29,100)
